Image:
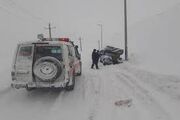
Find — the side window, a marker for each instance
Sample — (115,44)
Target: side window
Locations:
(24,53)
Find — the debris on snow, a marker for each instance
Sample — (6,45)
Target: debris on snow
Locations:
(126,102)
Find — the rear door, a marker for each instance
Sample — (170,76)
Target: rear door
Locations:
(23,63)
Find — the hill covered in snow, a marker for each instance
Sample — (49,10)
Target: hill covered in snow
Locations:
(155,41)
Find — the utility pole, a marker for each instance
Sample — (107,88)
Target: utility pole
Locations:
(125,30)
(80,42)
(101,26)
(99,44)
(50,31)
(50,28)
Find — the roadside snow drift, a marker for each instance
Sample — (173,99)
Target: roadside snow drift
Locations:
(155,41)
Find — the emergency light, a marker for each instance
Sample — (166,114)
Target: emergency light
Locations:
(56,39)
(64,39)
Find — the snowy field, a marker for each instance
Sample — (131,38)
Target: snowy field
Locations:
(152,97)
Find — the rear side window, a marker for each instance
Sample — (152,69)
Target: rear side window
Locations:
(53,51)
(25,51)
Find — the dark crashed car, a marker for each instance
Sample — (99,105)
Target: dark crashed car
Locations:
(111,55)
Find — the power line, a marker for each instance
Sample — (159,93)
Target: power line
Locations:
(24,11)
(5,10)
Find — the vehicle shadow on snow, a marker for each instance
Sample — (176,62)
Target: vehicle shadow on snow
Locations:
(5,91)
(43,94)
(20,96)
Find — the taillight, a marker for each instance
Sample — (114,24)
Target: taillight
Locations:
(13,75)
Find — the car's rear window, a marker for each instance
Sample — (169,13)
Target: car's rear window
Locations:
(25,51)
(53,51)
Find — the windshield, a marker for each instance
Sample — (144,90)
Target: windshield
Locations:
(53,51)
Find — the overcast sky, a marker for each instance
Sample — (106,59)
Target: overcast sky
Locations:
(26,18)
(22,20)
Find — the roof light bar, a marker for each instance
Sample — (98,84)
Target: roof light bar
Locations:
(64,39)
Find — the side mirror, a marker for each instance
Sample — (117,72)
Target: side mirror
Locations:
(76,47)
(79,56)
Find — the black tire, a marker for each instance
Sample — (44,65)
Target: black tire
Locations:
(29,89)
(57,89)
(71,87)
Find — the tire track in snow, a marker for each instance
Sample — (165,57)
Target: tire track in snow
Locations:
(140,93)
(166,84)
(102,91)
(94,83)
(20,104)
(110,93)
(81,103)
(5,91)
(167,99)
(70,104)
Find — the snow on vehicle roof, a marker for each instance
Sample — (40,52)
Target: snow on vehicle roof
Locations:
(47,42)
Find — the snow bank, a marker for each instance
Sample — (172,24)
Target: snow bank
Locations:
(155,41)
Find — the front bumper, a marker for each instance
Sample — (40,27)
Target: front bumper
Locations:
(18,85)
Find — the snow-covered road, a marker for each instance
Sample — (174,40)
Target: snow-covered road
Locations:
(152,97)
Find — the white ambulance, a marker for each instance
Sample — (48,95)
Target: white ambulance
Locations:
(46,64)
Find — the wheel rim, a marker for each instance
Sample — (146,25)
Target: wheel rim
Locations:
(47,69)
